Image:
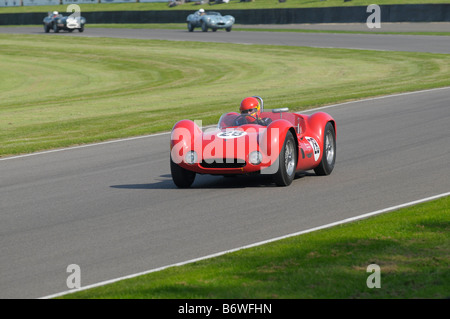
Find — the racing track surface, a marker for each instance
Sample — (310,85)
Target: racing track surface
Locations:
(389,42)
(112,209)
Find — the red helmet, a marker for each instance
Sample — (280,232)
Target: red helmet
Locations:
(250,106)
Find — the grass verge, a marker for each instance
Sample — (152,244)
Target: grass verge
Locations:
(89,90)
(411,246)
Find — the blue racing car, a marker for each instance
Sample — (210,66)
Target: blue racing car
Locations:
(209,20)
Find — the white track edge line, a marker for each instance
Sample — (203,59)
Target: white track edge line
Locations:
(344,221)
(82,146)
(165,133)
(377,98)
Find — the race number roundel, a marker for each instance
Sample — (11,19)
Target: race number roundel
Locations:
(231,134)
(315,147)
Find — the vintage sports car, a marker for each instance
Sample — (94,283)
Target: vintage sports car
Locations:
(279,143)
(55,21)
(209,20)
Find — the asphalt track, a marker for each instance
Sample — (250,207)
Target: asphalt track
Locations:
(367,41)
(112,208)
(361,27)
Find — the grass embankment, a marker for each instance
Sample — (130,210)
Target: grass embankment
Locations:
(233,4)
(89,90)
(411,246)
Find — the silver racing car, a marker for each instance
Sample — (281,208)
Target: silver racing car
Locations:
(56,22)
(209,20)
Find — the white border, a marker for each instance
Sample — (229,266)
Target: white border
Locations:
(344,221)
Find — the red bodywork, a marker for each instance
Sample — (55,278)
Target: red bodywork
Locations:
(226,149)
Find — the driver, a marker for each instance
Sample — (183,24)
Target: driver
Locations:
(55,14)
(250,106)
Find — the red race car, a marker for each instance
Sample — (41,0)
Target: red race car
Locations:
(276,142)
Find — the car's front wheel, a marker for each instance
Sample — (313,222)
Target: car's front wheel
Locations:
(326,165)
(204,27)
(180,176)
(287,162)
(228,29)
(190,27)
(55,28)
(46,28)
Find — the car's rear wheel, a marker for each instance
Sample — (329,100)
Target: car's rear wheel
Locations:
(329,151)
(180,176)
(287,162)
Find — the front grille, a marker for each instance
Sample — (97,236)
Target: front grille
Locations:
(223,163)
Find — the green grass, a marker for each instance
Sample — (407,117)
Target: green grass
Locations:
(411,246)
(233,4)
(88,90)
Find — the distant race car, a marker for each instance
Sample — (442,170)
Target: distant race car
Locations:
(209,20)
(278,143)
(56,22)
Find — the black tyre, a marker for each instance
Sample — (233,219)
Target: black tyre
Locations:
(55,28)
(46,28)
(204,27)
(180,176)
(228,29)
(329,152)
(81,29)
(190,27)
(287,162)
